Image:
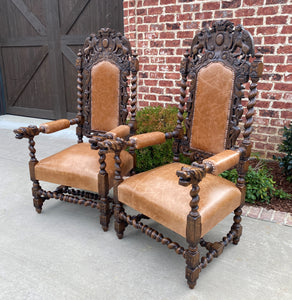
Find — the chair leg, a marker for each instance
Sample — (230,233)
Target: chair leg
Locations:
(105,213)
(37,200)
(120,225)
(236,225)
(193,267)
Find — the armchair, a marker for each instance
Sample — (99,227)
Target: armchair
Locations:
(103,67)
(191,199)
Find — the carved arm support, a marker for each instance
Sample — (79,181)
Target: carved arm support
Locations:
(193,175)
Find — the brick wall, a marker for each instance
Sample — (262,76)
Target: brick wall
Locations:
(161,30)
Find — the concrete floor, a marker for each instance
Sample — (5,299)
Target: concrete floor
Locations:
(64,254)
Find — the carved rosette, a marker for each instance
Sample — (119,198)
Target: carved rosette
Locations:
(115,48)
(233,47)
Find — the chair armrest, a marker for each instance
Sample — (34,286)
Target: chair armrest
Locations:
(54,126)
(120,131)
(222,161)
(147,139)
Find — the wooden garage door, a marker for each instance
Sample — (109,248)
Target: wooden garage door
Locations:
(39,40)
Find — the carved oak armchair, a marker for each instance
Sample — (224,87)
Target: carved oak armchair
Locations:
(192,199)
(103,67)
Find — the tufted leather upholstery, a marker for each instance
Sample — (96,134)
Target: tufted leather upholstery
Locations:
(157,194)
(212,102)
(78,166)
(105,84)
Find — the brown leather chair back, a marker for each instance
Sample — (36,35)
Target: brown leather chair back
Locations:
(218,66)
(104,64)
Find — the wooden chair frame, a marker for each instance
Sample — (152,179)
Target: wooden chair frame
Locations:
(106,45)
(233,47)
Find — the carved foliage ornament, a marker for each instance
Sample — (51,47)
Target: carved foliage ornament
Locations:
(115,48)
(231,46)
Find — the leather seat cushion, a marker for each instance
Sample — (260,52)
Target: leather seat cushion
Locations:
(157,194)
(78,166)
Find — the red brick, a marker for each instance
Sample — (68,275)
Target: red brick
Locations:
(155,11)
(167,83)
(274,59)
(266,130)
(268,10)
(190,25)
(253,212)
(252,2)
(288,96)
(184,17)
(173,9)
(175,76)
(286,114)
(150,51)
(289,60)
(282,105)
(203,16)
(231,4)
(271,30)
(287,9)
(150,19)
(156,104)
(263,104)
(142,28)
(253,21)
(174,43)
(143,103)
(150,2)
(158,44)
(151,82)
(157,60)
(167,35)
(157,75)
(150,97)
(275,39)
(283,86)
(150,67)
(173,60)
(166,18)
(279,217)
(245,12)
(166,51)
(191,7)
(275,1)
(284,49)
(165,68)
(143,89)
(141,11)
(287,29)
(165,98)
(276,20)
(277,122)
(271,95)
(269,113)
(288,77)
(185,34)
(156,27)
(265,86)
(223,14)
(211,5)
(166,2)
(172,26)
(156,90)
(274,139)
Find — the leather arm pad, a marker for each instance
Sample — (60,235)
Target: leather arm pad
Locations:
(54,126)
(148,139)
(120,131)
(223,161)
